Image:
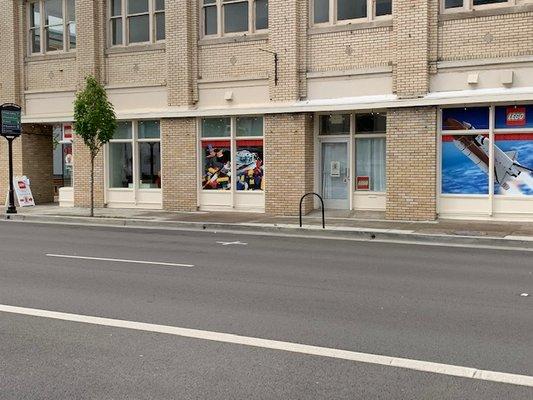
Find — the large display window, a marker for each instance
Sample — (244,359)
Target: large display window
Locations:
(487,159)
(134,164)
(232,161)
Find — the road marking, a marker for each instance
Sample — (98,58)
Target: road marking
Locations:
(238,243)
(120,260)
(417,365)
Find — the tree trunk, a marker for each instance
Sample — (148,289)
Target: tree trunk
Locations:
(92,185)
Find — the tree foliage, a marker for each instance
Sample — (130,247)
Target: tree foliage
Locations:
(94,116)
(94,121)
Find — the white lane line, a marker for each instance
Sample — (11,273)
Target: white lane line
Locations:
(120,260)
(417,365)
(239,243)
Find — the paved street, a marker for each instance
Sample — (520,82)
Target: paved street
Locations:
(454,306)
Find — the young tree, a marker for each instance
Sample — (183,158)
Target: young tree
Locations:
(94,120)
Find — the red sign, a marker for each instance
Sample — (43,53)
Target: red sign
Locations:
(516,116)
(362,183)
(67,132)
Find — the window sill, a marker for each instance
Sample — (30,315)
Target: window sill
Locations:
(135,48)
(317,30)
(50,56)
(486,12)
(252,37)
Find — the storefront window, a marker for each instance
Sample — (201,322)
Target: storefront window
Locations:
(216,165)
(149,165)
(370,152)
(334,124)
(216,127)
(249,126)
(370,164)
(135,156)
(63,157)
(466,164)
(120,165)
(249,165)
(245,153)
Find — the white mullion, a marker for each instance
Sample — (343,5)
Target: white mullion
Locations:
(65,25)
(42,28)
(370,10)
(135,166)
(220,19)
(468,5)
(123,6)
(492,116)
(151,25)
(251,16)
(233,160)
(332,12)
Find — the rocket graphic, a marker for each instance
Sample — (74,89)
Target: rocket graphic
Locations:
(477,148)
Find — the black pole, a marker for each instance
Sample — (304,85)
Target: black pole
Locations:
(11,209)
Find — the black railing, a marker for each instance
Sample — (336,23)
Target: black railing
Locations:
(321,201)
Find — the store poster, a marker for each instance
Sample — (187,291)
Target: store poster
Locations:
(465,157)
(216,165)
(250,165)
(23,191)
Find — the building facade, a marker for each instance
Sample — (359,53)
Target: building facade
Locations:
(413,108)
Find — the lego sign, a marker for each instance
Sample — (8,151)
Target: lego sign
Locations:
(67,132)
(362,183)
(23,191)
(516,116)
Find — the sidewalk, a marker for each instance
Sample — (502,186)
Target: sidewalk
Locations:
(338,224)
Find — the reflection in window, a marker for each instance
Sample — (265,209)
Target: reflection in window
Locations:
(245,16)
(216,165)
(334,124)
(48,25)
(120,165)
(150,165)
(216,127)
(351,9)
(137,21)
(371,123)
(236,17)
(249,126)
(321,11)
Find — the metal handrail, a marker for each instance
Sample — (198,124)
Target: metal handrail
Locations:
(321,201)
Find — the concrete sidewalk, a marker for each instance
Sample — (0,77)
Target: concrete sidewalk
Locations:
(338,224)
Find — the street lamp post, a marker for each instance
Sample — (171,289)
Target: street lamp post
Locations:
(10,128)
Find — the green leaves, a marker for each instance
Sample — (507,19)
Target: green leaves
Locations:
(94,116)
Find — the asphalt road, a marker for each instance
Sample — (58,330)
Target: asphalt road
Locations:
(455,306)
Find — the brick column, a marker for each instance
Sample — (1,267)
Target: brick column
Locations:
(90,23)
(179,172)
(181,50)
(289,162)
(412,46)
(411,163)
(10,82)
(285,22)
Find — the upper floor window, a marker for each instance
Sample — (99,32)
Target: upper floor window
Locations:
(345,11)
(136,21)
(222,17)
(52,25)
(467,5)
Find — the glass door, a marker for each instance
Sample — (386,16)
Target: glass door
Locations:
(335,174)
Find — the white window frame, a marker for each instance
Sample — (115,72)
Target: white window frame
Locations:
(352,137)
(468,5)
(136,167)
(371,14)
(124,17)
(233,139)
(219,5)
(42,28)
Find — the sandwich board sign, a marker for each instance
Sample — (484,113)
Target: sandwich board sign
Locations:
(23,191)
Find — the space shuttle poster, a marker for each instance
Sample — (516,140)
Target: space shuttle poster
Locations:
(465,156)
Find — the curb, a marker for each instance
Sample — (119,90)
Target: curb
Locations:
(362,234)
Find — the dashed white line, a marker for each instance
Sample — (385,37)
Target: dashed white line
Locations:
(120,260)
(417,365)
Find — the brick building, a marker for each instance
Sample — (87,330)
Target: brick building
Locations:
(416,108)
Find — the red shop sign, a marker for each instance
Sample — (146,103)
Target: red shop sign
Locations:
(516,116)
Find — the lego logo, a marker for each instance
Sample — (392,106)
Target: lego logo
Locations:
(516,116)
